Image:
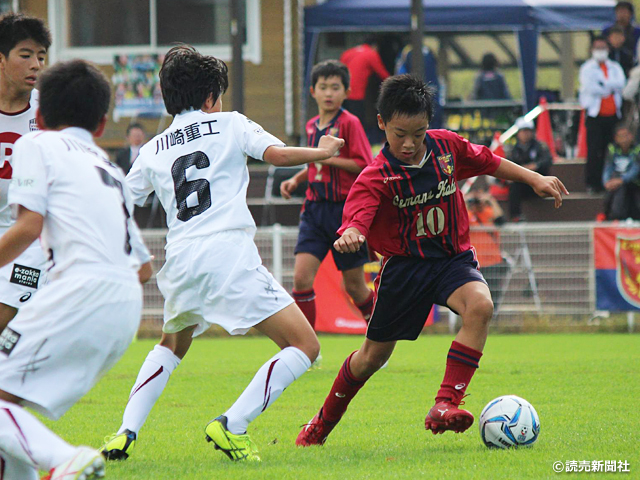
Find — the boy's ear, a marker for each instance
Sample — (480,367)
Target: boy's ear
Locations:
(347,92)
(39,119)
(101,126)
(312,92)
(381,124)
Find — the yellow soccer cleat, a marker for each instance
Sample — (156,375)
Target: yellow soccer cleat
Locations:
(119,445)
(236,447)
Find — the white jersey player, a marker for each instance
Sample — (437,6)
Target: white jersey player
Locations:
(57,347)
(24,42)
(213,272)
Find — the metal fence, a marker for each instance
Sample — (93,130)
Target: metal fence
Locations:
(544,271)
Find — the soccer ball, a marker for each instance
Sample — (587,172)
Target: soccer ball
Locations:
(509,421)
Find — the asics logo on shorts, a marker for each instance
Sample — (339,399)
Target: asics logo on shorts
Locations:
(25,297)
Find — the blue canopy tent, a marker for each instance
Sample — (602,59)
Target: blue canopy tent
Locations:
(526,18)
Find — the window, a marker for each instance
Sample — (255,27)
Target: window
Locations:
(98,30)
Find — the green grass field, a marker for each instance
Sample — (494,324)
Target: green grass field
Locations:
(584,387)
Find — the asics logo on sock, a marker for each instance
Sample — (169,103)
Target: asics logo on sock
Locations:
(460,386)
(340,395)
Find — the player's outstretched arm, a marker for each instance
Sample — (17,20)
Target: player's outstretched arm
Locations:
(544,186)
(23,233)
(289,186)
(350,241)
(328,146)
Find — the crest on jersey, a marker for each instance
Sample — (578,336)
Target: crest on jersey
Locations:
(334,131)
(628,269)
(446,163)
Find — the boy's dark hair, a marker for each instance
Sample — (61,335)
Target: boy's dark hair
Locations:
(15,27)
(621,126)
(616,29)
(187,78)
(489,62)
(626,5)
(135,125)
(74,94)
(599,38)
(330,68)
(405,95)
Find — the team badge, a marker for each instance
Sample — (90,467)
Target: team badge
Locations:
(446,163)
(334,131)
(628,269)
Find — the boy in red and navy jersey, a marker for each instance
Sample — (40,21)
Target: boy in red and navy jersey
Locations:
(408,207)
(328,187)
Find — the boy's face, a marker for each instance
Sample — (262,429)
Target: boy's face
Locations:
(23,64)
(329,93)
(623,138)
(405,135)
(616,39)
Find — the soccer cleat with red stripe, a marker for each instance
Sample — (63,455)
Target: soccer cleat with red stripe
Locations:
(86,464)
(315,432)
(445,415)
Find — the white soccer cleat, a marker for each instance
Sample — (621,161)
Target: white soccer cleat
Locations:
(86,464)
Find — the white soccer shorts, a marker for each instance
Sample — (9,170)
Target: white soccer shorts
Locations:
(218,280)
(20,279)
(58,346)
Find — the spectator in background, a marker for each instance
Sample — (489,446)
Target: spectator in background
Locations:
(621,177)
(403,65)
(136,137)
(618,50)
(625,19)
(362,61)
(484,211)
(490,84)
(531,154)
(601,84)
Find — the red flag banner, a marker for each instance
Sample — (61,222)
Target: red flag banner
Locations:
(336,312)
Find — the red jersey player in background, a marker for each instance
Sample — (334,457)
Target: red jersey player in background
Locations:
(329,184)
(408,207)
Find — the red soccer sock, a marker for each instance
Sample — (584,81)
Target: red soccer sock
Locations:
(343,390)
(462,362)
(306,300)
(366,307)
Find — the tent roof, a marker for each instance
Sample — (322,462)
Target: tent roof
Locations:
(461,15)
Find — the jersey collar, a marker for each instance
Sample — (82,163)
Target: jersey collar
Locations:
(79,133)
(389,156)
(331,123)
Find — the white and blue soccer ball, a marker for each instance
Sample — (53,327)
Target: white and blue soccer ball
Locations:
(509,421)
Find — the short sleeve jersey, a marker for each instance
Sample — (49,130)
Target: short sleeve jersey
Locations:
(327,183)
(198,169)
(418,210)
(70,181)
(12,127)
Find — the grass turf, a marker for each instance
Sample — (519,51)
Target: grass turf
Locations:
(584,387)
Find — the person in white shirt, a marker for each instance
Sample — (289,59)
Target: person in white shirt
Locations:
(24,42)
(213,273)
(65,190)
(601,84)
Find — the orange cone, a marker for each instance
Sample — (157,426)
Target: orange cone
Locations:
(582,137)
(544,133)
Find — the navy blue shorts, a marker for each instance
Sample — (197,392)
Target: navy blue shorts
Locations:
(319,222)
(407,288)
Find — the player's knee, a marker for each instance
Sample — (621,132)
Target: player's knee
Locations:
(482,310)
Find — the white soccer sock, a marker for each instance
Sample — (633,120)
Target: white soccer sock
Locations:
(13,469)
(24,438)
(267,385)
(152,378)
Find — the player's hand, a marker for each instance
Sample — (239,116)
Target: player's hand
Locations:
(330,144)
(350,241)
(287,188)
(613,184)
(145,272)
(550,187)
